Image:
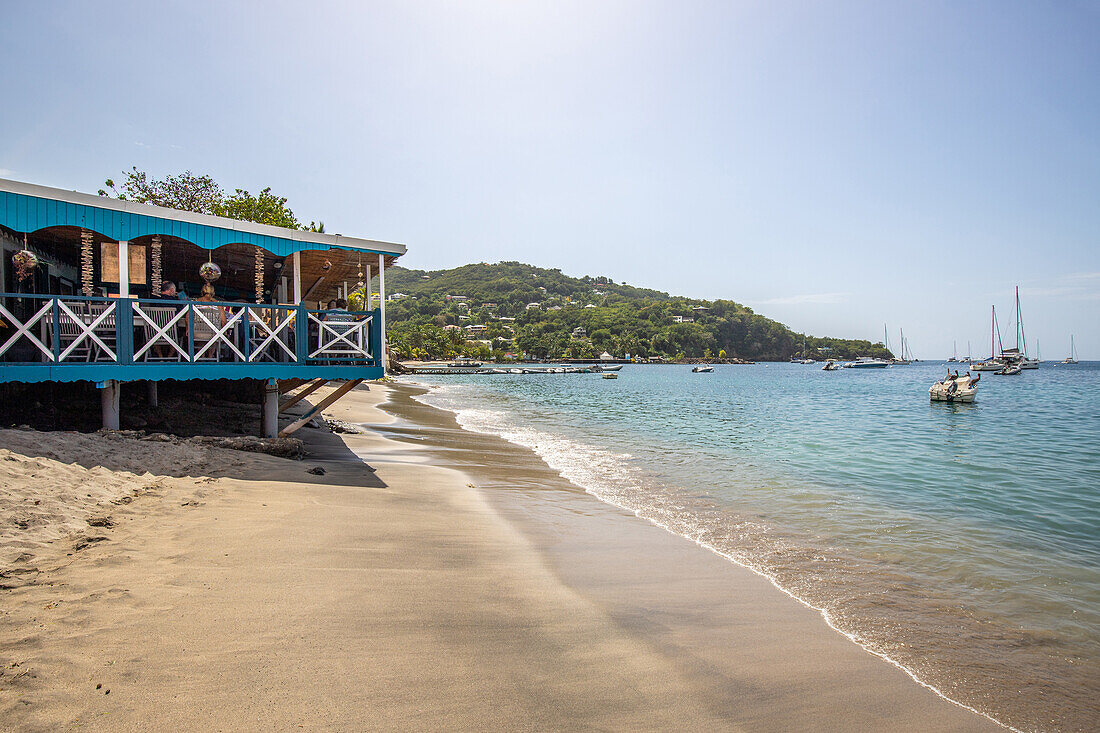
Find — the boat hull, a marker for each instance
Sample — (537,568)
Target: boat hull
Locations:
(963,389)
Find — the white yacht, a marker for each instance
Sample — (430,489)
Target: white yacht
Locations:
(866,362)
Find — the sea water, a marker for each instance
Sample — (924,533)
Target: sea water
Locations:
(960,541)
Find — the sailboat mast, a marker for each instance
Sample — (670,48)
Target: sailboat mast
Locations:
(993,336)
(1020,325)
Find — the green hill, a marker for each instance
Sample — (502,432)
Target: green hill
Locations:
(546,314)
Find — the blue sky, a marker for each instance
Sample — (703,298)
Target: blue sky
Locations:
(834,165)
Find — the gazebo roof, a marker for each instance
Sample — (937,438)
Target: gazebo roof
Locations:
(27,207)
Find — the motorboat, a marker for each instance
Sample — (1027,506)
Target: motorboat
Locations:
(1009,370)
(866,362)
(702,368)
(954,388)
(607,367)
(830,366)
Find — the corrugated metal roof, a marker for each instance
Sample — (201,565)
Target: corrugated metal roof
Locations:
(26,207)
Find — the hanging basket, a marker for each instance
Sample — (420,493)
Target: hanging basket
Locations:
(25,262)
(209,272)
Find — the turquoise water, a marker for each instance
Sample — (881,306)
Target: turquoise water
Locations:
(960,541)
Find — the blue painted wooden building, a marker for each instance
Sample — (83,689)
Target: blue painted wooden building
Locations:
(108,291)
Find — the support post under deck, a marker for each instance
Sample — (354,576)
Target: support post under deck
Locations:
(108,400)
(153,397)
(270,410)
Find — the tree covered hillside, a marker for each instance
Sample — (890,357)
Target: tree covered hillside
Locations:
(487,310)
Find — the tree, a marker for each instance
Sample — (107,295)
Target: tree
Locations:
(267,208)
(201,194)
(185,191)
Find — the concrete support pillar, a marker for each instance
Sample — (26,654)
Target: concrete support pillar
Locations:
(124,269)
(154,399)
(108,400)
(270,410)
(382,306)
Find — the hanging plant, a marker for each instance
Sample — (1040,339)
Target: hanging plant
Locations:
(25,261)
(209,272)
(326,265)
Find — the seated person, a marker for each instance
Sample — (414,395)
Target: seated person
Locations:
(338,311)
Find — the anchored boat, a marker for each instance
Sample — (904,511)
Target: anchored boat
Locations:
(955,388)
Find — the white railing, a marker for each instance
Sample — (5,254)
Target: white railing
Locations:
(71,329)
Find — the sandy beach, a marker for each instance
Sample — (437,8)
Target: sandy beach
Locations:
(430,579)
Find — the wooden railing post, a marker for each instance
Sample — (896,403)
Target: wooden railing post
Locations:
(124,331)
(301,334)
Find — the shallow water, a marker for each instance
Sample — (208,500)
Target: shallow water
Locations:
(961,541)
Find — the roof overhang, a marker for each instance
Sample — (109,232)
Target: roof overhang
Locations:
(27,207)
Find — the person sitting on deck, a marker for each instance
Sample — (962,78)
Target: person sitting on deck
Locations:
(338,311)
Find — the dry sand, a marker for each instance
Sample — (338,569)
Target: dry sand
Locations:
(458,585)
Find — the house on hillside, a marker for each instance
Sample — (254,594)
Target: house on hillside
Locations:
(534,306)
(606,357)
(579,332)
(456,298)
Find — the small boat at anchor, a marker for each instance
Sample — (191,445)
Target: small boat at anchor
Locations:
(830,366)
(866,362)
(610,375)
(1009,370)
(702,368)
(954,388)
(1072,358)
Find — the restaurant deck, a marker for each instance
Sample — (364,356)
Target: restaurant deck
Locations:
(81,276)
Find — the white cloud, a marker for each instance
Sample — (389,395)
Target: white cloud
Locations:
(816,298)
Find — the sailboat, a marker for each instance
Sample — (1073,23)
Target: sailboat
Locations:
(991,364)
(1072,358)
(967,357)
(1016,356)
(954,353)
(902,360)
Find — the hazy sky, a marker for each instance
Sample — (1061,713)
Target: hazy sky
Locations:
(834,165)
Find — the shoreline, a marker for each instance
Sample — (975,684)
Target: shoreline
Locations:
(432,578)
(825,615)
(557,483)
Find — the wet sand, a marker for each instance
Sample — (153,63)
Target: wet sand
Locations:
(460,584)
